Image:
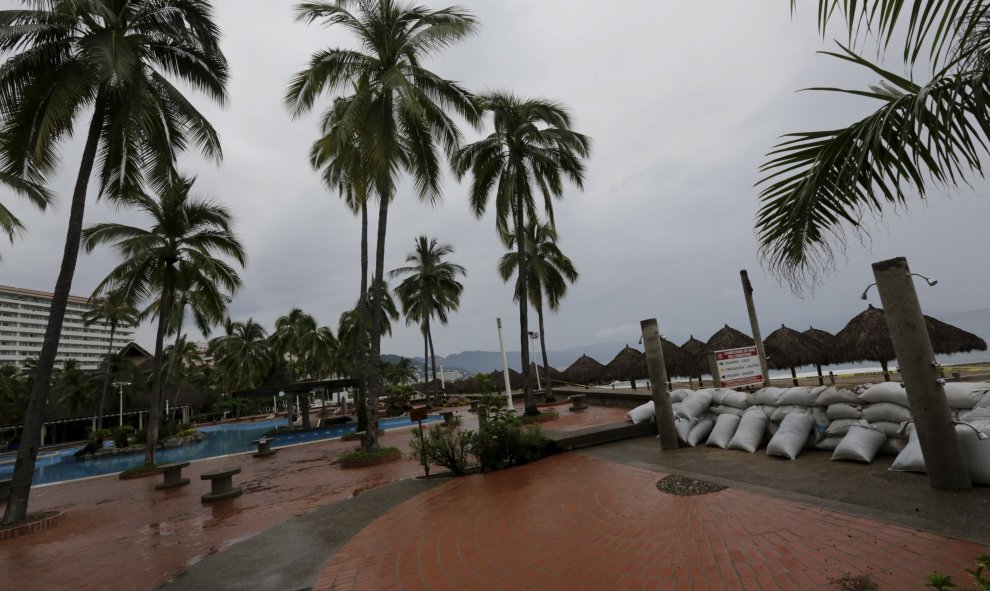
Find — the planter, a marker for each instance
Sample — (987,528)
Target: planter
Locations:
(37,522)
(543,417)
(390,456)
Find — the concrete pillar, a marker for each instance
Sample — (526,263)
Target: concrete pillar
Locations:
(185,415)
(44,431)
(304,402)
(658,383)
(916,362)
(713,366)
(140,420)
(755,326)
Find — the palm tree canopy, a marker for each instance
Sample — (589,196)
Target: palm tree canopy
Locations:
(39,196)
(431,288)
(111,308)
(550,270)
(242,355)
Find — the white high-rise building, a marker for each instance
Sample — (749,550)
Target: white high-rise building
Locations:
(24,317)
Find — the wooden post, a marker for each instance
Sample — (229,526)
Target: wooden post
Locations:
(755,325)
(713,365)
(658,383)
(916,362)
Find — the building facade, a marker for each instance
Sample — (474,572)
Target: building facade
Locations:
(24,317)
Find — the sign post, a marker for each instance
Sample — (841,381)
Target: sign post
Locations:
(739,367)
(418,413)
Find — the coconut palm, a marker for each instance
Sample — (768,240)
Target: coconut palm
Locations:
(13,395)
(242,355)
(398,108)
(114,60)
(113,310)
(183,246)
(74,387)
(33,192)
(285,338)
(550,270)
(430,288)
(821,184)
(181,357)
(531,150)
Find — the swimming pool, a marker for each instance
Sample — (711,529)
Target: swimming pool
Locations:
(222,440)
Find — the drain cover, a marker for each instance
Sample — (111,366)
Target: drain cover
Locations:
(687,487)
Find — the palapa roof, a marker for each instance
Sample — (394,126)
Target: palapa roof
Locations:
(629,364)
(677,361)
(728,338)
(824,345)
(948,339)
(583,371)
(553,372)
(787,348)
(693,346)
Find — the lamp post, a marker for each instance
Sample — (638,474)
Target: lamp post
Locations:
(120,392)
(533,335)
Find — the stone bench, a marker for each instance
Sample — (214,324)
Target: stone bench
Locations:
(173,476)
(222,484)
(4,490)
(264,447)
(577,402)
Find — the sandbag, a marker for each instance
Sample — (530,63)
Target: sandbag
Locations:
(726,410)
(828,443)
(680,394)
(976,454)
(977,415)
(965,395)
(766,409)
(737,399)
(641,413)
(886,411)
(782,411)
(834,395)
(910,459)
(695,405)
(886,392)
(860,444)
(891,430)
(725,428)
(844,410)
(892,447)
(770,396)
(772,429)
(792,435)
(800,396)
(749,435)
(700,432)
(840,427)
(683,428)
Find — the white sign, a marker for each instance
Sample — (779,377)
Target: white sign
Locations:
(739,367)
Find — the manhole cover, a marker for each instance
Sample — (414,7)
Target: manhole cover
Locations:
(687,487)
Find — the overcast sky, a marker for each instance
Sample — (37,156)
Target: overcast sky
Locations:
(682,100)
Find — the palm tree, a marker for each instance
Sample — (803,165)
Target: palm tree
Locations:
(532,148)
(113,58)
(549,269)
(242,355)
(289,330)
(820,184)
(315,349)
(184,244)
(429,289)
(181,357)
(114,310)
(73,387)
(398,109)
(33,192)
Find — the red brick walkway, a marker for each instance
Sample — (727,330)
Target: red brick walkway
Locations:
(573,522)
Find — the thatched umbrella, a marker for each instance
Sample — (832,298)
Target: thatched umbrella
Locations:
(677,361)
(824,349)
(546,375)
(726,338)
(629,364)
(583,371)
(788,348)
(516,379)
(695,349)
(948,339)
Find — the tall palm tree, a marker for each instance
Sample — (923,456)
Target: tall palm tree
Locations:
(315,349)
(289,331)
(73,387)
(180,357)
(531,150)
(113,59)
(821,184)
(113,310)
(39,196)
(185,242)
(549,269)
(430,288)
(242,355)
(398,108)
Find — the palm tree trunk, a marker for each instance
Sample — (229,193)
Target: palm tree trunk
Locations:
(546,364)
(821,378)
(426,366)
(433,361)
(794,377)
(177,359)
(106,378)
(886,372)
(522,292)
(361,357)
(34,414)
(370,442)
(157,387)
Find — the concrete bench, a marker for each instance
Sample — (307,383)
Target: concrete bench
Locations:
(577,402)
(222,484)
(4,490)
(264,447)
(173,476)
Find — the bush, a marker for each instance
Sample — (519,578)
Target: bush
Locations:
(120,435)
(398,399)
(492,400)
(141,437)
(451,448)
(980,576)
(505,442)
(360,454)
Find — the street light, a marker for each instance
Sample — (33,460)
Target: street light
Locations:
(929,281)
(533,335)
(120,391)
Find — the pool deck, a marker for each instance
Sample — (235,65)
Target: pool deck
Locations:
(573,521)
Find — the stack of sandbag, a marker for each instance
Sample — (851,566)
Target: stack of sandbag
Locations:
(810,422)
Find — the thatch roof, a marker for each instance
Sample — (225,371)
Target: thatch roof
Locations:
(629,364)
(824,345)
(948,339)
(727,338)
(553,372)
(787,348)
(693,346)
(698,365)
(583,371)
(678,362)
(516,380)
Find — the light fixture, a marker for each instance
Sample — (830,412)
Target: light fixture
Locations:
(931,283)
(979,434)
(862,296)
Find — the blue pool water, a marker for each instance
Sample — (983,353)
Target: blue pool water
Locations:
(222,440)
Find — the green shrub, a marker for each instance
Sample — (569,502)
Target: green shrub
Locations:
(187,432)
(980,576)
(360,454)
(505,442)
(120,435)
(450,448)
(141,437)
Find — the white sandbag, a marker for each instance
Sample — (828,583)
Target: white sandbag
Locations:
(782,411)
(860,444)
(891,430)
(695,405)
(725,428)
(844,410)
(701,430)
(828,443)
(770,396)
(886,411)
(892,447)
(811,441)
(766,409)
(749,435)
(641,413)
(886,392)
(985,403)
(840,427)
(718,395)
(737,399)
(680,394)
(910,459)
(977,415)
(683,428)
(835,395)
(975,452)
(726,410)
(792,435)
(772,429)
(800,396)
(821,421)
(965,394)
